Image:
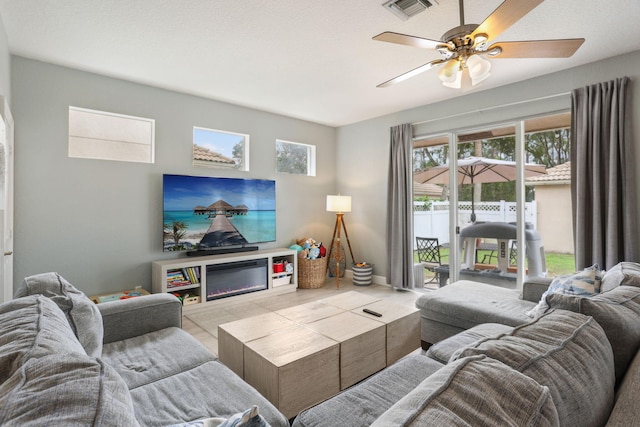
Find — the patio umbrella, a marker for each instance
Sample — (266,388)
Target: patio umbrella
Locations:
(478,170)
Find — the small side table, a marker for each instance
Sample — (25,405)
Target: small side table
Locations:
(115,296)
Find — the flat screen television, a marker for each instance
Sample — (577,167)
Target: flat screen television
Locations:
(207,214)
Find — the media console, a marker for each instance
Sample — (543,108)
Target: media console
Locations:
(207,279)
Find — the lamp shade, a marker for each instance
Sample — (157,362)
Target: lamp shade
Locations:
(338,203)
(451,74)
(478,68)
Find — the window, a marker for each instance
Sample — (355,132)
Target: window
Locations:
(220,149)
(295,158)
(109,136)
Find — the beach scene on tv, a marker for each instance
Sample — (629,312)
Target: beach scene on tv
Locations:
(203,213)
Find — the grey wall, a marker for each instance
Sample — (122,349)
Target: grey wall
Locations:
(5,61)
(99,223)
(363,148)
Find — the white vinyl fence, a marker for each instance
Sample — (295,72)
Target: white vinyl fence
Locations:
(434,221)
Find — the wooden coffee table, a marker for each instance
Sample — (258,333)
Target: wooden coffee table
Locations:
(402,327)
(362,345)
(233,336)
(299,356)
(293,368)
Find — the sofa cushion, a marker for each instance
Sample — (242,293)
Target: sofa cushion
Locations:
(626,407)
(474,391)
(584,283)
(621,274)
(32,327)
(208,390)
(147,358)
(465,304)
(443,350)
(618,312)
(65,389)
(169,364)
(81,312)
(567,352)
(362,403)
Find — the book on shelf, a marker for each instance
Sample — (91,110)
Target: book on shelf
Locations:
(183,277)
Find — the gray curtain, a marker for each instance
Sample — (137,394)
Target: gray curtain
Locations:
(603,184)
(400,208)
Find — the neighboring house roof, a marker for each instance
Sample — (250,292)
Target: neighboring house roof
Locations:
(204,156)
(556,175)
(427,189)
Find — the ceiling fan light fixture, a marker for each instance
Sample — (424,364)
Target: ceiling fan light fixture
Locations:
(478,68)
(457,83)
(451,75)
(465,48)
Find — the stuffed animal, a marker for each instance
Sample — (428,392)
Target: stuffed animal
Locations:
(314,252)
(323,250)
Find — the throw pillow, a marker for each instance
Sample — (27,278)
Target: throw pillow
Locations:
(82,314)
(65,390)
(586,282)
(474,391)
(443,350)
(248,418)
(567,352)
(622,274)
(618,312)
(32,327)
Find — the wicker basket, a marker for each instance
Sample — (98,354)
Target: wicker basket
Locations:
(312,272)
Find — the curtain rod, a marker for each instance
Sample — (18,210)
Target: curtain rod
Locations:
(495,107)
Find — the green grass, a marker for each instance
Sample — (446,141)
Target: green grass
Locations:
(557,263)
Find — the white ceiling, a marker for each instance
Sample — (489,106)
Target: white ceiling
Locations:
(313,60)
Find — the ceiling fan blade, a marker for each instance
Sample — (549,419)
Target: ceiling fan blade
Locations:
(507,14)
(563,48)
(412,73)
(406,40)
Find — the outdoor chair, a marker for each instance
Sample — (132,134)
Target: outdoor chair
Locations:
(513,253)
(428,249)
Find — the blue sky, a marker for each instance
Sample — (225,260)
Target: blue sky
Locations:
(186,192)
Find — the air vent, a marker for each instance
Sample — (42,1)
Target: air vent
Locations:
(405,9)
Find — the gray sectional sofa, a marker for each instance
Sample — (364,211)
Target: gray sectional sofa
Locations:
(66,361)
(575,365)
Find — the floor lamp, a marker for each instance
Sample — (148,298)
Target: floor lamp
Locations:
(339,204)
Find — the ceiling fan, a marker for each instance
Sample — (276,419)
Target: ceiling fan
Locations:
(465,47)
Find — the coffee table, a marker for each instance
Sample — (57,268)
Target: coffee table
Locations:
(299,356)
(362,345)
(293,368)
(232,337)
(402,327)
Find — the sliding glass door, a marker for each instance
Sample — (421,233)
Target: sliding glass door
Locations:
(487,180)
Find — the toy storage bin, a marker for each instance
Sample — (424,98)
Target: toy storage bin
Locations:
(312,272)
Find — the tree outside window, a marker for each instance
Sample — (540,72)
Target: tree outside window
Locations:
(295,158)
